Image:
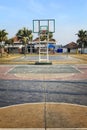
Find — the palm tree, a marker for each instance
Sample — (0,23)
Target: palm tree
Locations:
(44,36)
(10,41)
(50,35)
(82,38)
(3,38)
(25,36)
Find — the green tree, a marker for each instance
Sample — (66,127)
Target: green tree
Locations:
(50,35)
(82,39)
(44,36)
(3,38)
(9,41)
(25,36)
(3,35)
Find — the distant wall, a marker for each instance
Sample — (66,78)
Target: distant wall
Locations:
(82,50)
(64,50)
(73,51)
(85,50)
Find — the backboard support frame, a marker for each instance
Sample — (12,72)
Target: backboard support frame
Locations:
(37,23)
(41,26)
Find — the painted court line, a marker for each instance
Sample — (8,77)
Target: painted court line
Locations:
(77,69)
(43,128)
(43,103)
(10,70)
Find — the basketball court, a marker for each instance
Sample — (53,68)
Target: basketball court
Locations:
(43,96)
(43,92)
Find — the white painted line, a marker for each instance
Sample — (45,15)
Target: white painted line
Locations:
(9,70)
(77,69)
(22,128)
(63,103)
(47,103)
(66,128)
(22,57)
(22,105)
(43,128)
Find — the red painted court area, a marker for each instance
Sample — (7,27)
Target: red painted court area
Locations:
(6,69)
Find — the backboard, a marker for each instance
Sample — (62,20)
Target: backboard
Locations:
(43,24)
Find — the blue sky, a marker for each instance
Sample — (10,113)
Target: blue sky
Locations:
(70,16)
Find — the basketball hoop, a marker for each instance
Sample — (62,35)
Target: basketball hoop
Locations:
(43,31)
(43,27)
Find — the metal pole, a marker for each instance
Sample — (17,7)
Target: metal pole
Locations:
(47,47)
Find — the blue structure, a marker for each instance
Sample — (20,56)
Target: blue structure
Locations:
(59,50)
(51,46)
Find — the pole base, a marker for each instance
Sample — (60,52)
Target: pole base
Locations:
(43,63)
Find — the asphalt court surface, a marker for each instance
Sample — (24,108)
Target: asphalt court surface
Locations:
(18,92)
(51,58)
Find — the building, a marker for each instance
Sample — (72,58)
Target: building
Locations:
(71,47)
